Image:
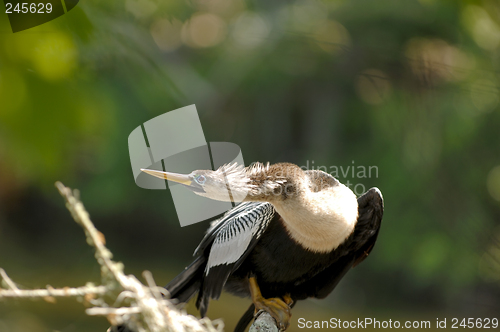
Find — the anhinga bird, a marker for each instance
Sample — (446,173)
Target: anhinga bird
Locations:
(295,235)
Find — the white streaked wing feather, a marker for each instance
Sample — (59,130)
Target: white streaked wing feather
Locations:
(233,239)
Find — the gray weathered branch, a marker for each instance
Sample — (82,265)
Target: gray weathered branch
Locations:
(13,291)
(264,323)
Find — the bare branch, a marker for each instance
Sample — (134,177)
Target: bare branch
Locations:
(148,311)
(94,237)
(7,280)
(61,292)
(264,323)
(99,311)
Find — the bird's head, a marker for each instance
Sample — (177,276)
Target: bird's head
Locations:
(257,182)
(211,184)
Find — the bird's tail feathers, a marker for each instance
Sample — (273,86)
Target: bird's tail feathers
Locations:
(212,286)
(188,282)
(245,319)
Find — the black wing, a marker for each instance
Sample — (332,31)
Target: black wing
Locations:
(228,243)
(354,250)
(371,211)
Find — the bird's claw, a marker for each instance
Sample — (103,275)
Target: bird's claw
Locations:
(277,308)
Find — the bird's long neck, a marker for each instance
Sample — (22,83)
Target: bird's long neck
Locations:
(318,218)
(320,221)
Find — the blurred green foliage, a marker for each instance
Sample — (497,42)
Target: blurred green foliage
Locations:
(409,87)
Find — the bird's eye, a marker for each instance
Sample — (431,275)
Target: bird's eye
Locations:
(200,179)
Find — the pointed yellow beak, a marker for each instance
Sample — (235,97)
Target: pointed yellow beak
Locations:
(174,177)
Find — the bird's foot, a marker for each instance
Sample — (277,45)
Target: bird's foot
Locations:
(288,300)
(278,308)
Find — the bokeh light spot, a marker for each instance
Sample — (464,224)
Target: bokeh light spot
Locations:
(55,56)
(332,37)
(203,30)
(434,60)
(166,34)
(484,30)
(250,30)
